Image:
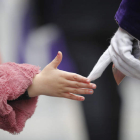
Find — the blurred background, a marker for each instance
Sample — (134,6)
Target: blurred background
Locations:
(33,31)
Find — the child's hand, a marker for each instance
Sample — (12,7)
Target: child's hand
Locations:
(54,82)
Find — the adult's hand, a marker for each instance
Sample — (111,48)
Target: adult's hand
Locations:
(120,53)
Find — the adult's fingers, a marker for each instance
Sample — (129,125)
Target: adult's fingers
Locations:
(118,61)
(124,52)
(100,66)
(124,67)
(120,68)
(123,44)
(131,61)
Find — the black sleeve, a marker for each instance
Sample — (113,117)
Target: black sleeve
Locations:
(24,96)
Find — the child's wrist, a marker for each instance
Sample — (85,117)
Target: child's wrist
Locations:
(32,89)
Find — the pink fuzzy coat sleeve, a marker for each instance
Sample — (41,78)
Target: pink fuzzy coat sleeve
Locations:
(14,80)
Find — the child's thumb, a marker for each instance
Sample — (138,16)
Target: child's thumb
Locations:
(57,60)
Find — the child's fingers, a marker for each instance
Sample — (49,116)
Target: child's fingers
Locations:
(75,84)
(76,77)
(79,90)
(57,60)
(73,96)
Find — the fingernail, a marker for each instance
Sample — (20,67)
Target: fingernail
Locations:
(94,86)
(88,80)
(91,91)
(58,53)
(82,98)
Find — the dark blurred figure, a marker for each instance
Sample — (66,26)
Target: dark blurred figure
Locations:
(88,26)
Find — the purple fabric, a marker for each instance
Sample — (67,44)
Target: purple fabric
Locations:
(59,45)
(128,17)
(27,24)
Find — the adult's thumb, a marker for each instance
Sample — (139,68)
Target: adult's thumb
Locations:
(100,66)
(57,60)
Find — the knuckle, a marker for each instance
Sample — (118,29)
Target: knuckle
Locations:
(75,91)
(70,96)
(89,86)
(77,85)
(61,74)
(64,89)
(86,91)
(75,77)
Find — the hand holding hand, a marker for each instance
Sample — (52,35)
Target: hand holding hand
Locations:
(54,82)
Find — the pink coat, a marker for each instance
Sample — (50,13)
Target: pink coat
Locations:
(14,80)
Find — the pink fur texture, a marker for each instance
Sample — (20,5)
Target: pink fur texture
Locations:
(14,80)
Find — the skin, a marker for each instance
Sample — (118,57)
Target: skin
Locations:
(54,82)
